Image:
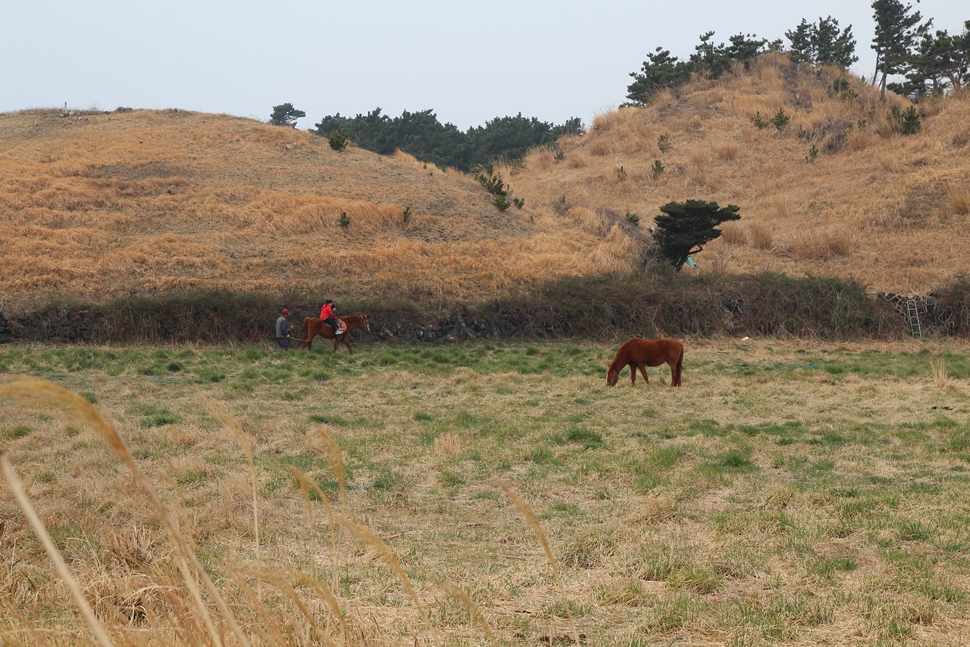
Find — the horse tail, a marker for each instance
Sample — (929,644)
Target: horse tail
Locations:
(680,365)
(303,333)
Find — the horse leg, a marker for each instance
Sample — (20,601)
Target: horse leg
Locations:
(302,336)
(336,342)
(643,369)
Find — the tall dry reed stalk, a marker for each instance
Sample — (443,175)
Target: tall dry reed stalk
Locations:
(939,372)
(367,536)
(277,578)
(305,484)
(533,521)
(233,425)
(470,607)
(336,461)
(44,395)
(17,488)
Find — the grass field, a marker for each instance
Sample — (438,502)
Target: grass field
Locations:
(789,493)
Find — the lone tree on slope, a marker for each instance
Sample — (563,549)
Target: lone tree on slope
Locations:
(285,115)
(688,226)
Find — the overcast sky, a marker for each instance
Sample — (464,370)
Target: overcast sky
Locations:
(469,61)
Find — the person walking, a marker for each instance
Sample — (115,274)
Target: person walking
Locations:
(328,317)
(283,330)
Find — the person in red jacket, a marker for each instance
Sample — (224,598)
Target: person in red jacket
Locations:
(328,317)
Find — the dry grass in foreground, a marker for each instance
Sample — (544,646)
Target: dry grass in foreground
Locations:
(488,494)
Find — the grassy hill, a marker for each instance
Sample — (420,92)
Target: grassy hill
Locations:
(887,209)
(99,205)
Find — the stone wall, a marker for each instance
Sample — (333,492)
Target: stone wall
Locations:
(65,326)
(70,326)
(496,322)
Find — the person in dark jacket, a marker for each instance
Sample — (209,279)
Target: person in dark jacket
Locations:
(328,317)
(283,330)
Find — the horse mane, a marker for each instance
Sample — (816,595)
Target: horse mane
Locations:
(622,355)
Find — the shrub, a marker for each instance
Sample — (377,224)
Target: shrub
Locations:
(780,120)
(759,121)
(338,140)
(840,90)
(491,182)
(494,185)
(905,122)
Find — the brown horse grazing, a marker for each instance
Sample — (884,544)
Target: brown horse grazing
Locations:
(313,327)
(641,353)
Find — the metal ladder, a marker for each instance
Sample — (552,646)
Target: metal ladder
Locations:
(912,314)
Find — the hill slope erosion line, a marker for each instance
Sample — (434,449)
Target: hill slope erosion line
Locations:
(98,206)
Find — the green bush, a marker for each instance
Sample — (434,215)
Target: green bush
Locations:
(491,182)
(780,120)
(338,140)
(905,122)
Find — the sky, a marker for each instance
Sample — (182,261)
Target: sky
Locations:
(468,61)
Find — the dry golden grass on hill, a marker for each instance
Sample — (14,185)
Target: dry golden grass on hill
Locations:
(887,209)
(98,205)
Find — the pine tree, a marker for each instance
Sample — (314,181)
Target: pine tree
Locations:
(939,63)
(688,226)
(897,31)
(822,43)
(285,115)
(659,71)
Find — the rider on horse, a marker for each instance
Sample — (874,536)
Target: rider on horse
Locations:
(328,317)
